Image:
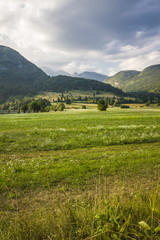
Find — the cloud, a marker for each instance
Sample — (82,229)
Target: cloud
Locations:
(101,35)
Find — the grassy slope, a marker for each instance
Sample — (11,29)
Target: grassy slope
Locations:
(121,79)
(133,81)
(148,80)
(61,172)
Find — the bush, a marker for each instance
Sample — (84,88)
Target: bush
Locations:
(116,104)
(124,106)
(83,106)
(147,104)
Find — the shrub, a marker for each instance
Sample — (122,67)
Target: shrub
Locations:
(147,104)
(83,106)
(124,106)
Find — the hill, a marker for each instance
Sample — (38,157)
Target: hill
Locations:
(18,76)
(147,81)
(121,79)
(67,83)
(133,81)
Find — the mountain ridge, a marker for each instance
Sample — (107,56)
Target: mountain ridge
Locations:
(87,74)
(91,75)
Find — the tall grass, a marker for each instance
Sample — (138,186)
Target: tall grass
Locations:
(93,215)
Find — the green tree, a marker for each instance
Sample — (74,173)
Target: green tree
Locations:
(148,103)
(61,107)
(68,101)
(102,106)
(54,107)
(34,106)
(43,104)
(47,109)
(24,107)
(58,107)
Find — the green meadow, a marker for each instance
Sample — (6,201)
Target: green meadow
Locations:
(80,174)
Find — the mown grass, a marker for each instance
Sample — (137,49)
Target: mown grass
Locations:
(80,174)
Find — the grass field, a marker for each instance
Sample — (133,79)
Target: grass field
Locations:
(80,174)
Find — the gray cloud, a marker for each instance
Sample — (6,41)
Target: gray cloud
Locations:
(104,35)
(90,24)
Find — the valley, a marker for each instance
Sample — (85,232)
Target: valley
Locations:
(70,171)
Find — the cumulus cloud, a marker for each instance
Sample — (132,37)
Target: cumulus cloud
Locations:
(96,35)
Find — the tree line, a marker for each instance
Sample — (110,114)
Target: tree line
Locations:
(32,105)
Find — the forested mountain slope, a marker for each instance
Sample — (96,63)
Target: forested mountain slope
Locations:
(133,81)
(121,79)
(18,76)
(148,81)
(66,83)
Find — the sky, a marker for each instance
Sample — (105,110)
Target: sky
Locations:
(105,36)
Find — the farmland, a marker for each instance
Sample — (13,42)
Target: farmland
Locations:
(80,174)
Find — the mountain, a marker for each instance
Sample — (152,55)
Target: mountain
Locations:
(18,76)
(133,81)
(68,83)
(91,75)
(61,72)
(48,71)
(121,79)
(88,75)
(52,73)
